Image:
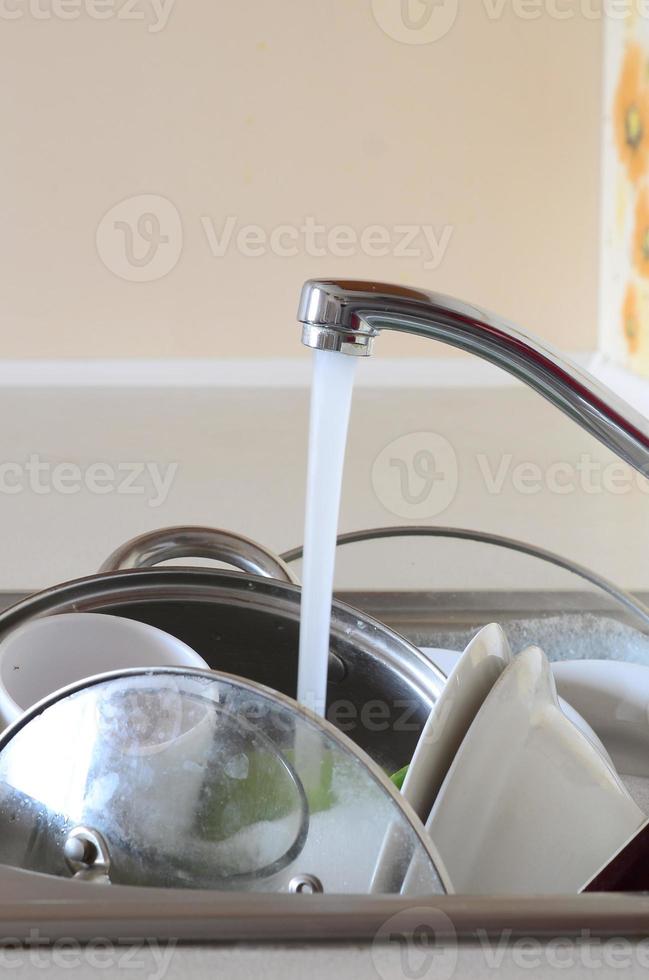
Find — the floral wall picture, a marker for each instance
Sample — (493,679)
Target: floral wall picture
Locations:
(624,281)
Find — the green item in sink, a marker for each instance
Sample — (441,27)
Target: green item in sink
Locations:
(399,778)
(318,786)
(250,787)
(256,786)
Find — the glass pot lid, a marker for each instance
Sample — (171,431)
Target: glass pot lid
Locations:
(193,779)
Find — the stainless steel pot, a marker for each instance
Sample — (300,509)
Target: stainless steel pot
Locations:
(381,688)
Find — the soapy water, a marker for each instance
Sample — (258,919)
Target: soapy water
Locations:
(571,636)
(331,397)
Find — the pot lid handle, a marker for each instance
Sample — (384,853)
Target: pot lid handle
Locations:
(199,542)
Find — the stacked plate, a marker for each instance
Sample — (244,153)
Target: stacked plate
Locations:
(519,793)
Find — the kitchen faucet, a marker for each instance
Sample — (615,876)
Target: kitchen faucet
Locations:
(347,316)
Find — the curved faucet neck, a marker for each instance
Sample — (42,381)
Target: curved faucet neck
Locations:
(347,316)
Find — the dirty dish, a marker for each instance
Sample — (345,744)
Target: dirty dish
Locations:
(613,697)
(193,779)
(447,660)
(467,686)
(529,805)
(49,653)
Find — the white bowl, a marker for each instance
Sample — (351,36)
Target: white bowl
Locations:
(49,653)
(613,697)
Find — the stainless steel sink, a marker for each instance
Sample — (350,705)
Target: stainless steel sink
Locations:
(567,625)
(60,908)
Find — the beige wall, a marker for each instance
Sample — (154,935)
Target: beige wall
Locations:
(272,112)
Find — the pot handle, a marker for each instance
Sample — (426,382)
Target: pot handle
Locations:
(198,542)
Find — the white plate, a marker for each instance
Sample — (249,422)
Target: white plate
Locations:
(529,804)
(447,660)
(613,697)
(49,653)
(468,684)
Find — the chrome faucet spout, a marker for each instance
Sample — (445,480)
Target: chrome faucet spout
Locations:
(347,316)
